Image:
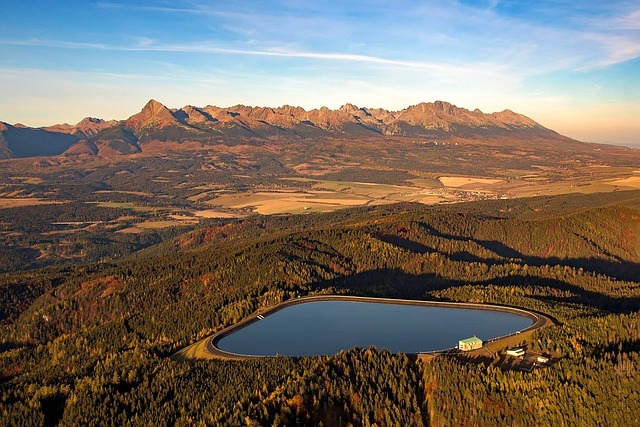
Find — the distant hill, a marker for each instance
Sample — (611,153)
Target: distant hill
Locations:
(211,124)
(18,141)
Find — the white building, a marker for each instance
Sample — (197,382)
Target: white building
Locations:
(469,344)
(516,352)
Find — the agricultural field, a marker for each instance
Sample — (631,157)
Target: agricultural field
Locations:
(185,188)
(17,202)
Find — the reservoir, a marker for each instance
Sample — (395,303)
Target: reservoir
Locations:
(327,327)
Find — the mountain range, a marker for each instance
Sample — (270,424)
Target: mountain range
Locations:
(214,125)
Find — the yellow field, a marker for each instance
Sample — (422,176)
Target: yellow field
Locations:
(332,195)
(631,182)
(468,182)
(198,196)
(186,218)
(131,230)
(506,183)
(271,202)
(297,206)
(27,179)
(523,189)
(365,189)
(16,202)
(151,225)
(327,195)
(250,199)
(210,213)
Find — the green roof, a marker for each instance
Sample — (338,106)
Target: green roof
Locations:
(472,340)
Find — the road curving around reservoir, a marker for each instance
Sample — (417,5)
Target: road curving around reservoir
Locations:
(207,348)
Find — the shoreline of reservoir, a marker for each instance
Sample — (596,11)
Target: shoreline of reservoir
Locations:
(212,351)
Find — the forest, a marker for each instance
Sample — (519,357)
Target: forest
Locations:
(91,343)
(74,233)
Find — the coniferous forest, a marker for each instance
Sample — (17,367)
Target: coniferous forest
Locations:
(92,343)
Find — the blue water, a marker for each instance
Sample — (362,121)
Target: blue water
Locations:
(326,327)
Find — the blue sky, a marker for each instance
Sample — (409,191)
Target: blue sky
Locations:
(574,66)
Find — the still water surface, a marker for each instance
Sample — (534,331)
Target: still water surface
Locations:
(326,327)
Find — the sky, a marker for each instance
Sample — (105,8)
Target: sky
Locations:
(573,66)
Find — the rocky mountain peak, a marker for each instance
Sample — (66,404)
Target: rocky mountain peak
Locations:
(290,110)
(153,114)
(349,109)
(192,115)
(514,119)
(90,120)
(154,107)
(442,105)
(90,126)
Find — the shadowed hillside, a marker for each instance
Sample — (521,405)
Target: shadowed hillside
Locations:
(27,142)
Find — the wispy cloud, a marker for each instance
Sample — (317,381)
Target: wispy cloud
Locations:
(7,73)
(629,21)
(62,44)
(616,49)
(148,45)
(123,6)
(561,30)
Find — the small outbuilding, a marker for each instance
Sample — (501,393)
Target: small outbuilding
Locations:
(516,352)
(542,359)
(469,344)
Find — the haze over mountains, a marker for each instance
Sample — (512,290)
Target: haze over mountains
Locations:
(213,125)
